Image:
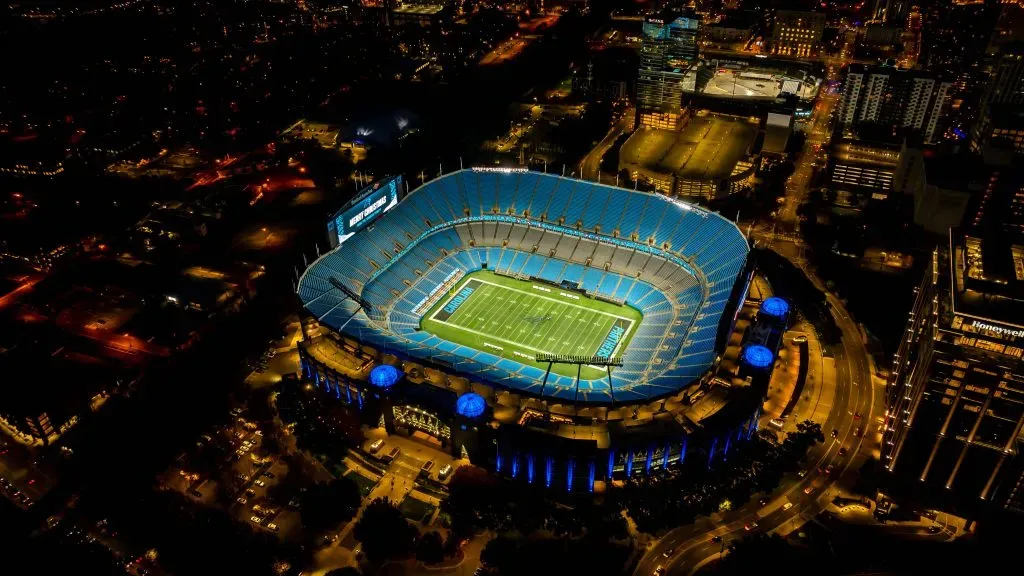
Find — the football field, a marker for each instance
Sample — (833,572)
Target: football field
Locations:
(519,319)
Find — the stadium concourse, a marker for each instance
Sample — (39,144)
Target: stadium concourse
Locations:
(462,284)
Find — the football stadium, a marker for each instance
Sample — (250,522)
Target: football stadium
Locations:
(519,318)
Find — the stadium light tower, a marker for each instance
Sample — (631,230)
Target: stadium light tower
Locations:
(579,361)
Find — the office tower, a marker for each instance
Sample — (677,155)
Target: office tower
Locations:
(955,396)
(668,54)
(891,11)
(898,99)
(1000,110)
(797,33)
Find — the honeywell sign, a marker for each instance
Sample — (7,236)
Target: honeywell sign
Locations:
(998,330)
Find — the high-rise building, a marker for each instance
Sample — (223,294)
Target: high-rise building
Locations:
(955,396)
(1007,84)
(797,33)
(668,56)
(891,11)
(899,99)
(999,115)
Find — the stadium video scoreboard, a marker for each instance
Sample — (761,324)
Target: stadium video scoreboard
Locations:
(367,206)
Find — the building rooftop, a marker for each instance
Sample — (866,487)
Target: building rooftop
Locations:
(988,278)
(707,148)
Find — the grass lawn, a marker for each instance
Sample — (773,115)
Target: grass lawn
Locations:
(518,319)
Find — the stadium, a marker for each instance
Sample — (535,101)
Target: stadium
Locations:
(520,318)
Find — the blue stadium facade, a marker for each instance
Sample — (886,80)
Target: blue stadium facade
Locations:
(682,266)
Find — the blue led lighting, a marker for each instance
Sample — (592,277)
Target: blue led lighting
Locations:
(758,356)
(497,463)
(650,459)
(470,405)
(682,452)
(548,465)
(515,465)
(384,376)
(611,463)
(590,483)
(629,464)
(775,306)
(664,456)
(568,475)
(711,453)
(529,468)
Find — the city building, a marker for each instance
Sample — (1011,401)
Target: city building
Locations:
(891,11)
(863,167)
(710,157)
(955,395)
(983,191)
(896,99)
(668,60)
(1000,123)
(1007,83)
(797,33)
(1000,115)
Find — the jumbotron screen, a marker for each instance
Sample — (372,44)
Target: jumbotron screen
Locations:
(370,203)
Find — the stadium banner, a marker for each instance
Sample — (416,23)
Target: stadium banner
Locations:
(459,299)
(370,203)
(615,335)
(425,302)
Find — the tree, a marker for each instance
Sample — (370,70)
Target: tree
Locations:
(470,500)
(384,533)
(325,506)
(430,548)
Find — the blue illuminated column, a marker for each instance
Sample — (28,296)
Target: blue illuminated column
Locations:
(515,465)
(711,453)
(753,422)
(359,398)
(728,442)
(739,432)
(497,461)
(682,452)
(337,387)
(611,463)
(327,377)
(549,464)
(664,455)
(568,475)
(650,459)
(629,463)
(590,481)
(529,468)
(348,393)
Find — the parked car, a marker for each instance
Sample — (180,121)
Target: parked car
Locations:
(427,466)
(395,451)
(444,472)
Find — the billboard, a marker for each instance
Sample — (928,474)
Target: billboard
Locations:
(368,205)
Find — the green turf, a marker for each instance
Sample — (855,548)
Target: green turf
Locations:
(518,319)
